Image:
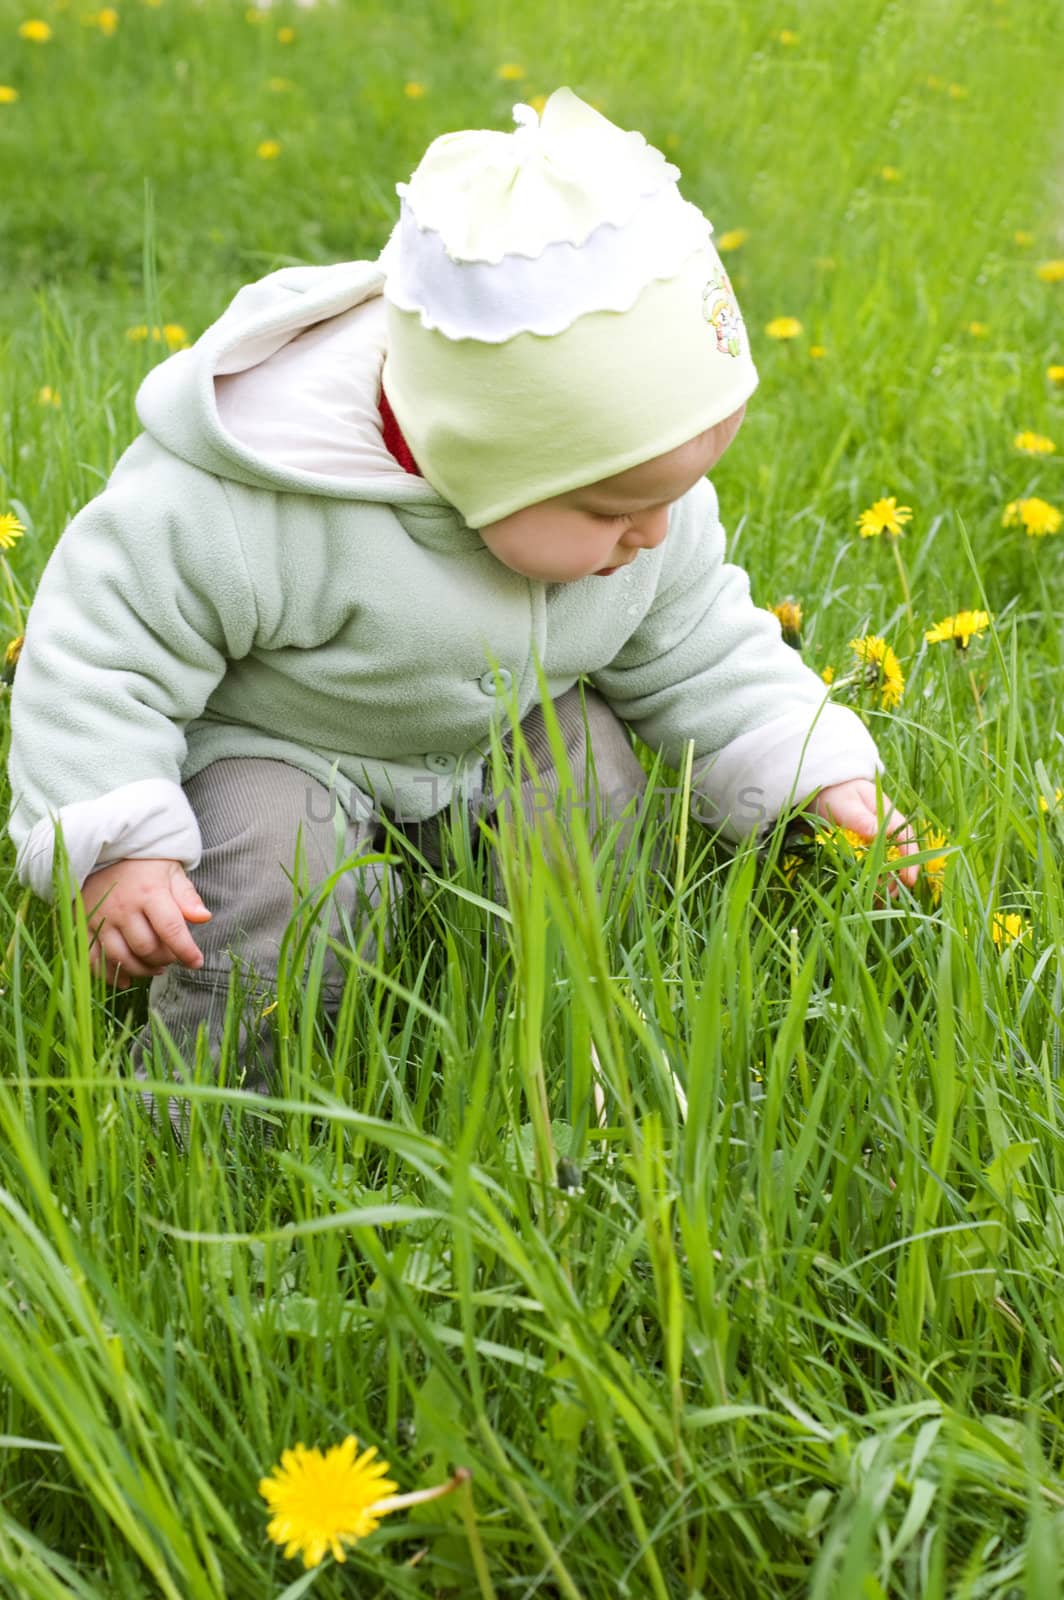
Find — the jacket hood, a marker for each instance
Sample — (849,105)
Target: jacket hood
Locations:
(293,360)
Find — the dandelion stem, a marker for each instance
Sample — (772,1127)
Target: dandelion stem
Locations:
(418,1497)
(979,712)
(904,581)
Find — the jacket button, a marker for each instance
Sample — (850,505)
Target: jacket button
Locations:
(441,761)
(497,682)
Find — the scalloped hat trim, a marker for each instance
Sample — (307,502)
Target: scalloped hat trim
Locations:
(495,302)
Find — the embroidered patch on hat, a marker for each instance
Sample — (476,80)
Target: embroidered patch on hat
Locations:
(721,310)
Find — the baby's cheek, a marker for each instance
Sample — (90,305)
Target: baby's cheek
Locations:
(505,544)
(531,556)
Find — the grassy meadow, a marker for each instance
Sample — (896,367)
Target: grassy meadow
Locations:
(712,1216)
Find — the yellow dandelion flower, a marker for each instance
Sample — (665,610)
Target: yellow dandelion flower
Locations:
(978,330)
(831,838)
(8,95)
(890,174)
(285,35)
(47,396)
(414,90)
(935,868)
(172,333)
(1037,516)
(10,661)
(882,668)
(817,352)
(957,91)
(253,15)
(828,674)
(538,102)
(789,613)
(106,20)
(36,31)
(1034,444)
(268,149)
(1044,804)
(783,328)
(1008,927)
(11,530)
(672,141)
(1052,271)
(961,629)
(1055,374)
(788,36)
(1023,238)
(933,82)
(511,72)
(322,1502)
(885,516)
(734,239)
(790,866)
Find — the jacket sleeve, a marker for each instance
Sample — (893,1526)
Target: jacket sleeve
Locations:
(706,664)
(144,599)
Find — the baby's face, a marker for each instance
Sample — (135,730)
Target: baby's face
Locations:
(594,530)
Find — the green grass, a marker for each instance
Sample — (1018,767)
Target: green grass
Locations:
(799,1330)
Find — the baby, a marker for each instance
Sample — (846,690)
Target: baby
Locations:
(365,505)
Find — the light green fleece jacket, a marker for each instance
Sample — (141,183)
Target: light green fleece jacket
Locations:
(260,578)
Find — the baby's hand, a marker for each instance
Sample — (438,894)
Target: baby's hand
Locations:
(853,805)
(140,926)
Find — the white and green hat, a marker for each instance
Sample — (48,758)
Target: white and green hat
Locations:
(556,311)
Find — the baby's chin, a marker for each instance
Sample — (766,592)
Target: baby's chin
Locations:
(548,575)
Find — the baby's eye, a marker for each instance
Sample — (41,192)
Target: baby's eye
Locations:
(605,516)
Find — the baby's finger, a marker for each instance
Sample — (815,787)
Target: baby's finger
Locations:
(905,841)
(165,917)
(112,955)
(188,898)
(863,822)
(144,942)
(897,826)
(909,876)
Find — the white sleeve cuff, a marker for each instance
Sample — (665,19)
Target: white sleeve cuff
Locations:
(151,817)
(759,775)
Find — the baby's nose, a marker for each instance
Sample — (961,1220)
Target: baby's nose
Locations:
(647,529)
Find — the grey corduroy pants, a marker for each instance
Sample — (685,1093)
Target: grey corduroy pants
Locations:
(250,813)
